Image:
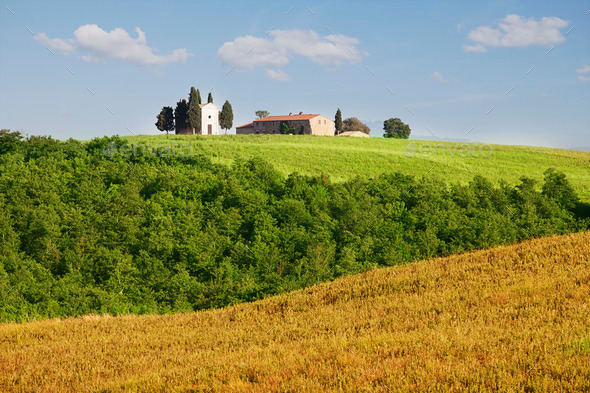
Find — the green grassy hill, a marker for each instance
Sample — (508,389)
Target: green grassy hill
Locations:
(343,158)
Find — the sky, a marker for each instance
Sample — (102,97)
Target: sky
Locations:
(506,72)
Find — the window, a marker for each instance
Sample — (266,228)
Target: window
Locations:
(210,117)
(319,122)
(324,120)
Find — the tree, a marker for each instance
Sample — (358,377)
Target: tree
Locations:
(354,124)
(194,110)
(181,116)
(395,128)
(286,128)
(166,119)
(199,97)
(9,141)
(558,188)
(338,122)
(262,114)
(226,116)
(210,98)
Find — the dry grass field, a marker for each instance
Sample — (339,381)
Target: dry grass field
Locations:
(514,318)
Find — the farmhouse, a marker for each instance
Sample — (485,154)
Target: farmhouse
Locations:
(209,121)
(311,125)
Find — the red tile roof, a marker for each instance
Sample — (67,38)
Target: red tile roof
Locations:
(287,117)
(246,125)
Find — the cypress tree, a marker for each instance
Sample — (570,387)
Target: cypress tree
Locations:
(194,110)
(210,98)
(199,96)
(338,121)
(226,116)
(181,116)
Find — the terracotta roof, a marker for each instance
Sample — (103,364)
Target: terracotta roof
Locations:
(246,125)
(287,117)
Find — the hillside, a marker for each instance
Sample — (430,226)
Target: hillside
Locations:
(342,158)
(82,232)
(513,318)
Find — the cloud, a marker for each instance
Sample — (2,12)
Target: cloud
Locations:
(65,47)
(96,44)
(475,48)
(276,50)
(582,71)
(516,31)
(438,77)
(460,27)
(277,75)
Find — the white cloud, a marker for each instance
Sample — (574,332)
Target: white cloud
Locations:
(247,52)
(583,70)
(475,48)
(460,27)
(277,75)
(516,31)
(438,77)
(65,47)
(96,44)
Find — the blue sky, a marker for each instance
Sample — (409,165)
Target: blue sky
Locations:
(469,70)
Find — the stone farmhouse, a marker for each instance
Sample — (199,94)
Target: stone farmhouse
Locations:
(209,121)
(312,124)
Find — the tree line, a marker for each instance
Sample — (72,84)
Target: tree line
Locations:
(187,115)
(83,233)
(393,127)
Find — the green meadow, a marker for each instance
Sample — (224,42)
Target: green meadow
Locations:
(344,158)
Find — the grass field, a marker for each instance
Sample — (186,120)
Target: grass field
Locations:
(342,158)
(514,318)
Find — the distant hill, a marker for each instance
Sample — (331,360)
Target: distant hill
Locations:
(511,318)
(343,158)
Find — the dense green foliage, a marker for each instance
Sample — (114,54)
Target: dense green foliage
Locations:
(395,128)
(354,124)
(84,232)
(194,110)
(338,122)
(226,116)
(165,120)
(181,116)
(260,114)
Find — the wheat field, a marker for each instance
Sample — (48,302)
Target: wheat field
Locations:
(513,319)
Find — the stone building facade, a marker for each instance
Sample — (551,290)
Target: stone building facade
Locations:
(312,125)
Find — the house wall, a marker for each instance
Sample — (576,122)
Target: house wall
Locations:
(209,116)
(244,130)
(321,125)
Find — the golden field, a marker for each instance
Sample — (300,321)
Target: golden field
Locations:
(514,318)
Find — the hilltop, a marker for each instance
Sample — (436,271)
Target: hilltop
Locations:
(512,318)
(342,158)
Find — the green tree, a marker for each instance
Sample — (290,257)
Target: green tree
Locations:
(181,116)
(558,188)
(194,110)
(354,124)
(199,97)
(165,119)
(226,116)
(286,128)
(210,98)
(9,141)
(395,128)
(338,122)
(262,114)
